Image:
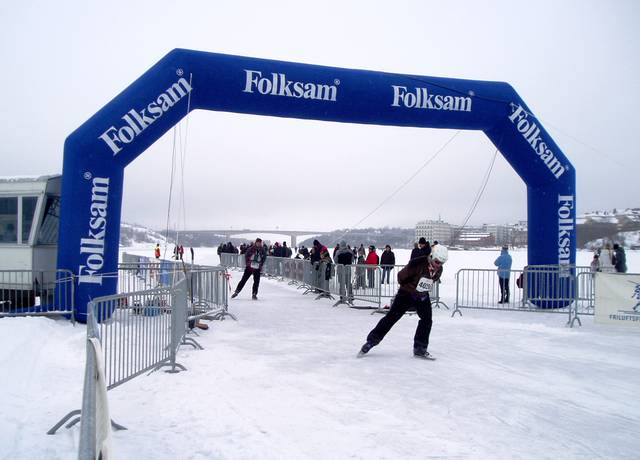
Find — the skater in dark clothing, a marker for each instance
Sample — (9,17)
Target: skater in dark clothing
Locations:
(423,249)
(416,281)
(254,258)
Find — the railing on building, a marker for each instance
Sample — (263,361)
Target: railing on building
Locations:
(36,293)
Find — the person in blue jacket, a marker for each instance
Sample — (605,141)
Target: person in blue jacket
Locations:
(503,262)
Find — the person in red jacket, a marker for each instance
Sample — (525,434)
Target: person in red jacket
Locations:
(157,251)
(372,259)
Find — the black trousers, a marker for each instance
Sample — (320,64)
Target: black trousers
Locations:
(504,289)
(386,271)
(245,276)
(399,307)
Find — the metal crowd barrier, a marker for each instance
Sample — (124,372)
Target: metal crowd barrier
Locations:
(235,261)
(543,288)
(351,284)
(389,287)
(137,332)
(208,292)
(585,293)
(358,283)
(36,293)
(150,275)
(137,336)
(140,272)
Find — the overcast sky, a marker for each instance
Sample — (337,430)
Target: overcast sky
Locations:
(575,63)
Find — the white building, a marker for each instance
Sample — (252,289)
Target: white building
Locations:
(500,233)
(434,230)
(29,211)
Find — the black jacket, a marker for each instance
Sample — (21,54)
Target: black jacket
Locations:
(344,257)
(420,252)
(388,258)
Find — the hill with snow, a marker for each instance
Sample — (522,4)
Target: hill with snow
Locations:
(134,235)
(618,225)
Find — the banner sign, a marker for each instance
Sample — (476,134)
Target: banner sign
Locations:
(617,299)
(96,153)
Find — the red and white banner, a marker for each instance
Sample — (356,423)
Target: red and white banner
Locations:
(617,299)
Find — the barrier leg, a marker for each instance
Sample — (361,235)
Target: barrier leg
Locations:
(63,420)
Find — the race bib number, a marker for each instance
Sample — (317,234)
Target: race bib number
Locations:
(255,265)
(424,285)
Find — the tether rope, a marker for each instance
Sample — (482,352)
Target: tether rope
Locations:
(399,188)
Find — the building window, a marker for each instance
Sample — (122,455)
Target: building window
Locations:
(9,220)
(49,229)
(28,211)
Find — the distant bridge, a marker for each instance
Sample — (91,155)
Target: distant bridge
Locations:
(228,233)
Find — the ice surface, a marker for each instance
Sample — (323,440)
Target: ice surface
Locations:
(284,383)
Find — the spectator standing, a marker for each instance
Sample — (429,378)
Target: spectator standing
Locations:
(372,259)
(314,257)
(503,262)
(157,251)
(344,259)
(606,259)
(286,250)
(254,260)
(387,261)
(325,263)
(595,263)
(423,249)
(619,259)
(360,274)
(192,255)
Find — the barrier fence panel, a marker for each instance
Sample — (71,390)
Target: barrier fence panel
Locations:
(235,261)
(136,337)
(208,292)
(365,282)
(585,300)
(36,292)
(342,285)
(480,289)
(540,288)
(138,273)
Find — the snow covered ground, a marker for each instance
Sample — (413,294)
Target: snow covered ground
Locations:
(283,383)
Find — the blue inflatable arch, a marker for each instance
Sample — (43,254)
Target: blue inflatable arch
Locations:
(96,154)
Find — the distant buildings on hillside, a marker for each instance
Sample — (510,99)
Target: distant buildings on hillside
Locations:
(473,236)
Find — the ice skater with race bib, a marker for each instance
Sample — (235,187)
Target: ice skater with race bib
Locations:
(416,281)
